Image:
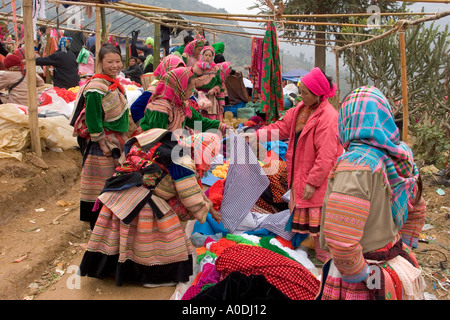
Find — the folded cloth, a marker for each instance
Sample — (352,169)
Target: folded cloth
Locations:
(245,183)
(290,277)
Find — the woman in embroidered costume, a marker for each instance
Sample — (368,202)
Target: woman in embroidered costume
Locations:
(192,51)
(169,62)
(168,109)
(102,128)
(371,191)
(138,236)
(313,148)
(208,80)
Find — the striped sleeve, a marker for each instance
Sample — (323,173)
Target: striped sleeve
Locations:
(345,218)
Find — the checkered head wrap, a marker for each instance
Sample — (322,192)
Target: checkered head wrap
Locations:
(369,134)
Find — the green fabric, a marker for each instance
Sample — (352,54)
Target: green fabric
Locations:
(180,49)
(94,116)
(156,119)
(265,243)
(148,60)
(219,47)
(272,101)
(240,240)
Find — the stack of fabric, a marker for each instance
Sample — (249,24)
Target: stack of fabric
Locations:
(257,268)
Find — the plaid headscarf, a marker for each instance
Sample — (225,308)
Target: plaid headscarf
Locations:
(169,62)
(369,134)
(224,69)
(206,65)
(171,88)
(190,47)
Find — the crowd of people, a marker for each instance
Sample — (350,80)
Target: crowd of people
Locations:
(354,187)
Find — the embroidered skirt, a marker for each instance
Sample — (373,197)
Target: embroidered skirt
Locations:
(399,278)
(306,220)
(148,250)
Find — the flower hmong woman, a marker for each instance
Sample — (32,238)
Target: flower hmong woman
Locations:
(139,236)
(208,79)
(371,192)
(102,127)
(169,62)
(168,109)
(313,148)
(192,51)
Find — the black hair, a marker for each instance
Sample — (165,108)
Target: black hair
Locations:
(108,48)
(188,39)
(134,58)
(142,58)
(330,79)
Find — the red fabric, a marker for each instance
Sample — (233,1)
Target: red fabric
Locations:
(215,193)
(289,276)
(12,60)
(115,83)
(317,150)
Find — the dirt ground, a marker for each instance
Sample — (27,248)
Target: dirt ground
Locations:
(42,239)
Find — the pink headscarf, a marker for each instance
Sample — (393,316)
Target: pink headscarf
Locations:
(318,84)
(190,47)
(169,62)
(171,88)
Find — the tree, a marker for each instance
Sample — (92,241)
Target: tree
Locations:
(428,70)
(314,7)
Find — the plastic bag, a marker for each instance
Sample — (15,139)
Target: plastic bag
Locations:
(203,102)
(83,56)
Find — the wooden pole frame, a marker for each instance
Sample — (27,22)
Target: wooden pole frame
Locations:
(98,37)
(31,79)
(402,44)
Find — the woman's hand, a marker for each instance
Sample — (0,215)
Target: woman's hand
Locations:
(217,216)
(106,151)
(250,137)
(308,192)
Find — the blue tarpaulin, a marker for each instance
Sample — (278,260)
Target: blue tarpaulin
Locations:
(294,75)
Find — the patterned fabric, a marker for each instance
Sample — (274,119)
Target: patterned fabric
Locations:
(204,148)
(303,117)
(290,277)
(146,240)
(245,183)
(392,279)
(368,132)
(189,50)
(169,62)
(345,219)
(168,98)
(306,220)
(96,170)
(64,43)
(272,101)
(256,63)
(412,228)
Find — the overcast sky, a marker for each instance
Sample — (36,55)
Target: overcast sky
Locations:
(240,6)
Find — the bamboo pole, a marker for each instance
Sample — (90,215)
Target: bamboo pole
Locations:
(157,46)
(401,34)
(31,79)
(98,40)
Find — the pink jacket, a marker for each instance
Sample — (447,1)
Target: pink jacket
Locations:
(316,153)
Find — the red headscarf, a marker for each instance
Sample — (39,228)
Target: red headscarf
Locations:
(13,60)
(318,84)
